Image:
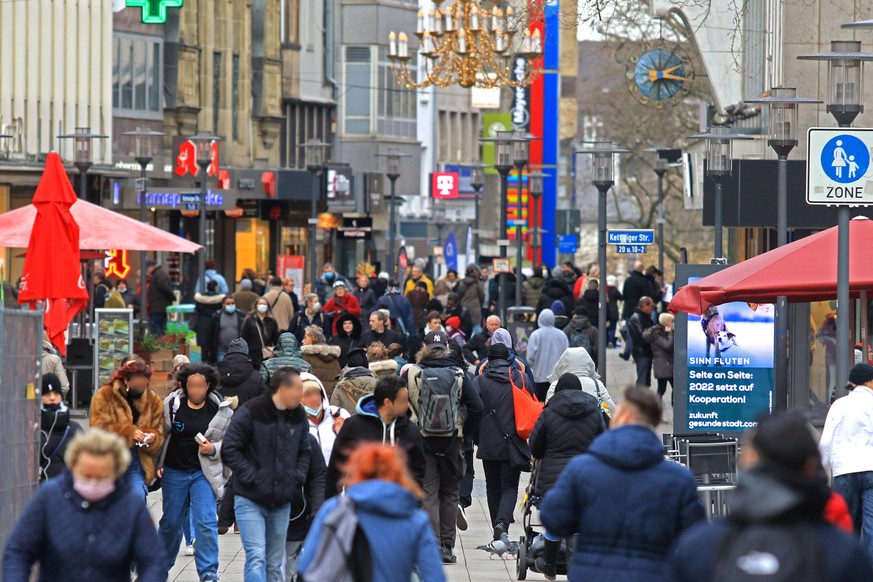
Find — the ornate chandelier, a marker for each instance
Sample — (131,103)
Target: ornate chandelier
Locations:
(470,44)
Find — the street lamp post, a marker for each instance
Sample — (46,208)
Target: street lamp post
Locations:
(535,188)
(477,181)
(392,162)
(203,145)
(665,158)
(314,158)
(845,87)
(83,158)
(603,153)
(503,163)
(783,103)
(143,154)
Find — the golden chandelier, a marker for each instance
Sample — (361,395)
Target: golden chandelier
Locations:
(470,44)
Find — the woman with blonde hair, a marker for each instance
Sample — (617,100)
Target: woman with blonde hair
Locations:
(381,363)
(385,499)
(87,524)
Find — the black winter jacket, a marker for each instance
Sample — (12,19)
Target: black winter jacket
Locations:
(636,327)
(313,495)
(496,393)
(636,286)
(475,349)
(661,341)
(556,290)
(269,331)
(269,452)
(347,342)
(238,378)
(55,435)
(569,423)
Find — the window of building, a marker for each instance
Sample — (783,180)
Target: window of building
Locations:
(357,113)
(396,105)
(289,19)
(235,99)
(304,121)
(136,74)
(216,92)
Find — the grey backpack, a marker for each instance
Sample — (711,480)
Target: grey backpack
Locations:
(343,552)
(435,394)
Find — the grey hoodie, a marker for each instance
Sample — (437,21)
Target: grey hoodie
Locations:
(545,346)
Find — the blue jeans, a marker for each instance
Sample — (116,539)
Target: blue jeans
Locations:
(220,354)
(857,490)
(188,527)
(644,370)
(157,323)
(183,489)
(135,475)
(263,531)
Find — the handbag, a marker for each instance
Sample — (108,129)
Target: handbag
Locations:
(518,459)
(527,407)
(266,352)
(603,406)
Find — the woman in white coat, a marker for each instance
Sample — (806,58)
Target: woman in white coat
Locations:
(325,421)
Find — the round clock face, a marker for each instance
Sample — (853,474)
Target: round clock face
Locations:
(660,77)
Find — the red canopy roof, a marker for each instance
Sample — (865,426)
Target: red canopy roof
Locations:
(805,270)
(101,229)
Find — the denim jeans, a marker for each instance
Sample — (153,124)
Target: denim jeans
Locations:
(263,531)
(857,490)
(157,323)
(220,354)
(190,489)
(135,475)
(644,370)
(188,527)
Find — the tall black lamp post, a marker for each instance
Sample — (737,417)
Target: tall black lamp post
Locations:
(392,163)
(83,158)
(314,158)
(203,144)
(845,87)
(603,153)
(503,163)
(783,103)
(665,158)
(144,142)
(535,188)
(477,182)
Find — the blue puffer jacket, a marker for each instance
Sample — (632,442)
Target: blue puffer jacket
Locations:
(76,540)
(628,505)
(399,533)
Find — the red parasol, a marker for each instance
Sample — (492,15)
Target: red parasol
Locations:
(51,268)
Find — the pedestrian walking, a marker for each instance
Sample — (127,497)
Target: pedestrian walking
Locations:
(211,275)
(237,377)
(356,381)
(325,420)
(660,337)
(52,364)
(87,524)
(581,333)
(472,296)
(379,331)
(311,314)
(556,290)
(532,288)
(641,350)
(206,305)
(347,337)
(383,498)
(324,284)
(159,296)
(367,299)
(313,498)
(342,303)
(245,297)
(322,358)
(613,296)
(626,502)
(226,326)
(476,349)
(260,332)
(775,529)
(578,361)
(267,446)
(544,348)
(56,432)
(192,474)
(281,306)
(286,354)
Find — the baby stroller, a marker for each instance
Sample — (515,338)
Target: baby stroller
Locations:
(532,543)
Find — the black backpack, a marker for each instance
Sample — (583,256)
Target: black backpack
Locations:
(769,552)
(580,339)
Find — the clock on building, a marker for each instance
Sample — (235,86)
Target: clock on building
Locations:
(660,76)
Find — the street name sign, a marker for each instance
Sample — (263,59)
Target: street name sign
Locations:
(190,198)
(631,249)
(645,236)
(838,169)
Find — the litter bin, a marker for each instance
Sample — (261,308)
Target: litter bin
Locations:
(520,323)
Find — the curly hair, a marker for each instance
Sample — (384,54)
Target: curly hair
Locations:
(377,352)
(99,442)
(197,369)
(376,461)
(133,367)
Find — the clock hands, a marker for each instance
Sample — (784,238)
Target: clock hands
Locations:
(655,75)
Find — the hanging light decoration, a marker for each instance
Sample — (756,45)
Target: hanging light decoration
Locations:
(482,44)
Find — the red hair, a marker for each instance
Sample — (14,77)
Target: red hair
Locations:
(376,461)
(136,367)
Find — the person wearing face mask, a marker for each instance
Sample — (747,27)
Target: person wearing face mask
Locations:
(128,407)
(227,325)
(325,421)
(324,284)
(311,314)
(191,469)
(261,332)
(55,429)
(86,524)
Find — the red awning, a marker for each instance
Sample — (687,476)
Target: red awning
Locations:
(805,270)
(100,229)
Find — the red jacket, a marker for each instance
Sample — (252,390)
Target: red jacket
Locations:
(836,512)
(338,306)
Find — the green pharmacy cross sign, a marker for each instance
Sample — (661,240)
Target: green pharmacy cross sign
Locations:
(154,11)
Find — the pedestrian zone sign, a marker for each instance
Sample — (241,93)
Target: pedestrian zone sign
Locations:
(838,171)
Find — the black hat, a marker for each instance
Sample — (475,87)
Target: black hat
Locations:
(568,381)
(238,346)
(435,339)
(151,263)
(580,310)
(860,374)
(51,383)
(357,358)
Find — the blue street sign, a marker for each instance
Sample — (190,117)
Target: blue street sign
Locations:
(567,244)
(630,249)
(450,252)
(645,236)
(845,159)
(189,198)
(191,207)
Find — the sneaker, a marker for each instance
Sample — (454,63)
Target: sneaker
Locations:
(624,356)
(462,518)
(447,556)
(189,550)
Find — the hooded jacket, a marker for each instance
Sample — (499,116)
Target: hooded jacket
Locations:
(338,306)
(323,431)
(627,504)
(569,423)
(205,306)
(268,450)
(495,391)
(238,378)
(52,364)
(347,341)
(313,495)
(355,383)
(578,362)
(323,360)
(545,346)
(159,292)
(472,297)
(591,300)
(661,341)
(773,498)
(56,432)
(581,324)
(368,426)
(531,289)
(556,290)
(288,353)
(399,533)
(213,275)
(384,368)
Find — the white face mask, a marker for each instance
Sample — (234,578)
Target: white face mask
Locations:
(262,308)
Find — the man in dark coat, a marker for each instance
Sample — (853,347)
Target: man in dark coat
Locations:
(268,448)
(238,377)
(639,322)
(399,307)
(225,326)
(626,502)
(455,309)
(636,286)
(780,498)
(476,349)
(159,296)
(556,290)
(205,306)
(381,417)
(379,332)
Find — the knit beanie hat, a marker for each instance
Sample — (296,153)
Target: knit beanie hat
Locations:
(558,308)
(357,358)
(238,346)
(568,381)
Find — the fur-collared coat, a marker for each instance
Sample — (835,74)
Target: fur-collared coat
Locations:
(325,363)
(110,411)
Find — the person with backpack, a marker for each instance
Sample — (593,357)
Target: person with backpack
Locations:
(775,530)
(376,530)
(355,382)
(281,306)
(544,347)
(381,417)
(627,503)
(55,429)
(445,406)
(581,333)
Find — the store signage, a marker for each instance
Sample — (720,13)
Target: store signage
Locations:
(186,160)
(356,228)
(154,11)
(117,265)
(631,249)
(175,200)
(520,98)
(444,185)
